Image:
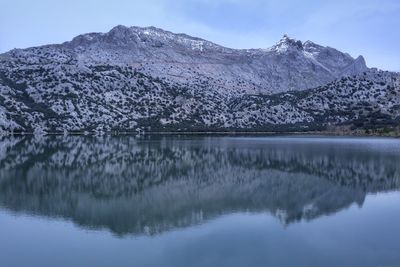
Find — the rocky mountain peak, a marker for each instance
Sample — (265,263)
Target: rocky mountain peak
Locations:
(146,37)
(135,78)
(288,65)
(287,44)
(357,66)
(361,60)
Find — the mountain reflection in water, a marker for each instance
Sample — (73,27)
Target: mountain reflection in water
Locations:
(155,184)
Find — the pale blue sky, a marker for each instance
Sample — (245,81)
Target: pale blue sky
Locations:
(367,27)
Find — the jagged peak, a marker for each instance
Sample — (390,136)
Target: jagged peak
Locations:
(357,66)
(286,43)
(360,59)
(286,39)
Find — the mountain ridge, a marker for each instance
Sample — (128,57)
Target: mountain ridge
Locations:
(168,55)
(148,79)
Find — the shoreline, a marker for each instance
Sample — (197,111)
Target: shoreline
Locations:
(204,133)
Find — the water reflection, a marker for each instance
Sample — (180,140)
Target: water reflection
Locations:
(155,184)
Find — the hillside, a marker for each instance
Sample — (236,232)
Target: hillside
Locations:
(148,79)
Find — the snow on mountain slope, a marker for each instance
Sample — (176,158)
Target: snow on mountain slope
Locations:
(149,79)
(288,65)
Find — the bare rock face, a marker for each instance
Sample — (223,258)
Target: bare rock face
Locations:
(149,79)
(358,66)
(288,65)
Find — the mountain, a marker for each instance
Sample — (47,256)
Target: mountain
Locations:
(288,65)
(135,78)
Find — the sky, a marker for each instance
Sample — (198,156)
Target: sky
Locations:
(360,27)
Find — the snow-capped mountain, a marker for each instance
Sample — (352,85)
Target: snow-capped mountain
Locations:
(288,65)
(146,78)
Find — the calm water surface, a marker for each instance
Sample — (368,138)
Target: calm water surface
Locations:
(199,201)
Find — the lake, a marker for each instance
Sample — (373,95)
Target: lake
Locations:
(199,201)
